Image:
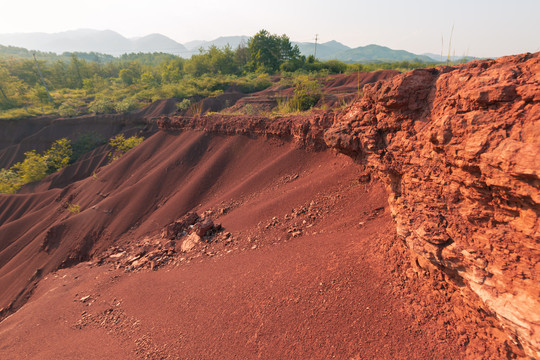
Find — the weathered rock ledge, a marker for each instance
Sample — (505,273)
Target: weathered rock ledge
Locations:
(459,150)
(306,131)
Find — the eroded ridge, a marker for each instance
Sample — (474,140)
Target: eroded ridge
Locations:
(458,149)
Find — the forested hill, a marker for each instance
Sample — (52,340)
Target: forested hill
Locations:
(13,52)
(77,83)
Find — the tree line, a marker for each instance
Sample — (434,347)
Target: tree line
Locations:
(99,83)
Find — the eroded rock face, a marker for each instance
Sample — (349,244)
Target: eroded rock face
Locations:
(305,131)
(459,150)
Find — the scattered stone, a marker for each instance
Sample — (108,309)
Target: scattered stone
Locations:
(365,178)
(176,229)
(204,227)
(169,245)
(117,255)
(190,242)
(136,257)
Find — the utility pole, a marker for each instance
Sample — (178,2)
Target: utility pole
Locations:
(42,79)
(316,38)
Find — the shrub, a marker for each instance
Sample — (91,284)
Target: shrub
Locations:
(249,85)
(196,109)
(59,155)
(73,208)
(121,145)
(68,109)
(335,66)
(33,168)
(102,106)
(125,105)
(10,181)
(306,94)
(183,105)
(249,110)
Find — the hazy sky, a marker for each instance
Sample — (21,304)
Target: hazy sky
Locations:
(481,27)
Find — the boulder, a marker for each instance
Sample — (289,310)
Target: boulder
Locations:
(190,242)
(176,229)
(204,227)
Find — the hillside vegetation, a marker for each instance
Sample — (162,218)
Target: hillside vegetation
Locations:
(78,83)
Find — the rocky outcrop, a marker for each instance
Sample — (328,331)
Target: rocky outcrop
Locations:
(459,150)
(305,131)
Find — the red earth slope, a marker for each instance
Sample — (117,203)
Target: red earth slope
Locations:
(313,270)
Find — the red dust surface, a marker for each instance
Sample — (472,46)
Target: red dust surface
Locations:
(223,237)
(313,269)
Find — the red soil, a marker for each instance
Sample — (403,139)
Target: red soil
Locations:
(337,89)
(330,291)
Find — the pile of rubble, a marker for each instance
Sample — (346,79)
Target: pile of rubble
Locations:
(182,236)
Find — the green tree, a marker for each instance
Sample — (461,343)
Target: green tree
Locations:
(149,79)
(131,74)
(59,155)
(76,72)
(172,70)
(10,181)
(267,52)
(33,168)
(121,145)
(95,84)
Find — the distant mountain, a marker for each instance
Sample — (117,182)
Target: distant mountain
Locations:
(195,44)
(325,51)
(371,53)
(158,43)
(110,42)
(19,52)
(86,40)
(220,42)
(193,47)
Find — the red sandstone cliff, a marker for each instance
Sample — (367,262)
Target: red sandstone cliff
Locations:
(459,151)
